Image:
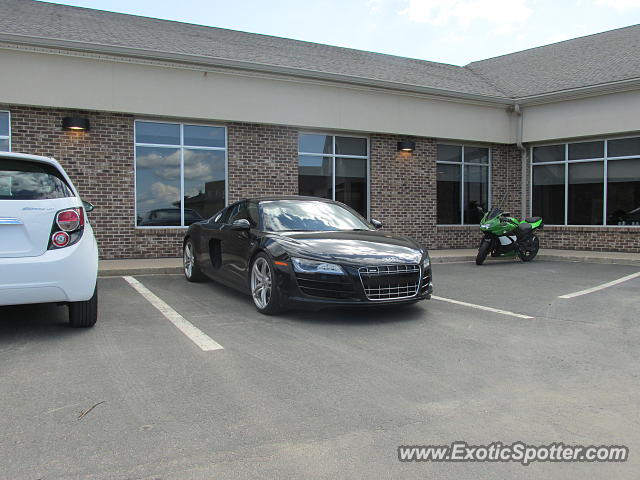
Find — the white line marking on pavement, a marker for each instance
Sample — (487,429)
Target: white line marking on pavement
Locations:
(197,336)
(601,287)
(482,307)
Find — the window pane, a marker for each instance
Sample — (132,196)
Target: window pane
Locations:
(476,192)
(449,153)
(308,143)
(583,150)
(548,193)
(204,184)
(623,147)
(158,186)
(476,155)
(4,124)
(203,136)
(351,146)
(314,176)
(548,153)
(623,192)
(448,194)
(351,183)
(586,192)
(158,133)
(4,145)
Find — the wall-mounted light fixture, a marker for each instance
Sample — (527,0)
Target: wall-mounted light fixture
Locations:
(406,146)
(76,124)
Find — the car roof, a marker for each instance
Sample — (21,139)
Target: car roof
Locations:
(26,156)
(272,198)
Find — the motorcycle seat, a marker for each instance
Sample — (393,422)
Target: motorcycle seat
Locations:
(532,219)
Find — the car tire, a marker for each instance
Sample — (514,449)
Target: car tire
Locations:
(483,251)
(84,314)
(190,265)
(262,285)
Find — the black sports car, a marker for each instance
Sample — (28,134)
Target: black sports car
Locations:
(305,251)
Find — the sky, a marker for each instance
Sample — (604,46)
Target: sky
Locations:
(449,31)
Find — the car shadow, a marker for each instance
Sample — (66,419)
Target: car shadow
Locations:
(360,316)
(37,321)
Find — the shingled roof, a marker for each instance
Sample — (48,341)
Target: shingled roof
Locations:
(586,61)
(592,60)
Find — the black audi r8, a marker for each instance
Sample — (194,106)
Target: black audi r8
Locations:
(295,251)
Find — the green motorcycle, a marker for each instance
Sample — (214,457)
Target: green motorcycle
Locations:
(505,236)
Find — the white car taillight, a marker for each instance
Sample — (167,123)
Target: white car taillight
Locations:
(60,239)
(70,220)
(67,229)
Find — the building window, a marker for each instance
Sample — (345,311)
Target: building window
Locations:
(5,132)
(180,173)
(463,184)
(587,183)
(336,167)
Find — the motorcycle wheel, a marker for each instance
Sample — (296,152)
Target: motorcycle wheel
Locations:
(530,250)
(483,251)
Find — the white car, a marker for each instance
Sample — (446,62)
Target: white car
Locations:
(48,252)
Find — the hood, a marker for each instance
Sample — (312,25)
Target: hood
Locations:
(369,247)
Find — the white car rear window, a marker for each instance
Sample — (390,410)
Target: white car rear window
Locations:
(24,180)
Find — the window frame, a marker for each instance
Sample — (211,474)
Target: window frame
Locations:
(181,148)
(462,164)
(333,156)
(7,137)
(566,162)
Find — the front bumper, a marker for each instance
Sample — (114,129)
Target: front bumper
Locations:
(65,275)
(295,291)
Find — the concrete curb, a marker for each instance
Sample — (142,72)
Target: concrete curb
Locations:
(164,266)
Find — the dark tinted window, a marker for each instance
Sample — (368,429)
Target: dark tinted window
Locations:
(586,192)
(623,147)
(235,213)
(295,215)
(449,153)
(548,153)
(22,180)
(586,150)
(449,194)
(623,192)
(548,193)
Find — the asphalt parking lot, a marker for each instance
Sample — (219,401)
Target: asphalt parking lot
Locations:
(327,394)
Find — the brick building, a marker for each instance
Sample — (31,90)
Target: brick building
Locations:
(185,119)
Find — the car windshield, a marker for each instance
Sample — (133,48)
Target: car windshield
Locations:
(21,180)
(309,215)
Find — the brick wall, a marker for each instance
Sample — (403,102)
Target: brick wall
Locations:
(263,160)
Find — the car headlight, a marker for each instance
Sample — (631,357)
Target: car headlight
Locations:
(426,262)
(302,265)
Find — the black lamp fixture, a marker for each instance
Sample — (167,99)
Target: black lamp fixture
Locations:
(80,124)
(406,146)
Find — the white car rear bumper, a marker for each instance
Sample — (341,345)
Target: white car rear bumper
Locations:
(65,275)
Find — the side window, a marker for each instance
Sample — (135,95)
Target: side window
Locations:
(236,213)
(252,214)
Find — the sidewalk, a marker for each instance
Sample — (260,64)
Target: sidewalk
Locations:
(140,266)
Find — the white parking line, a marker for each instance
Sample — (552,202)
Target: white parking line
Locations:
(197,336)
(601,287)
(482,307)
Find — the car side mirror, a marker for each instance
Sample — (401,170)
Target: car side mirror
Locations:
(377,224)
(88,206)
(241,224)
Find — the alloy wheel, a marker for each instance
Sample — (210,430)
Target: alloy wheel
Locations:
(188,260)
(261,283)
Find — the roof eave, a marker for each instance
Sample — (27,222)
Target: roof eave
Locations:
(206,61)
(580,92)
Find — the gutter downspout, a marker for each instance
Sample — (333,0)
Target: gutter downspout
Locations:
(523,151)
